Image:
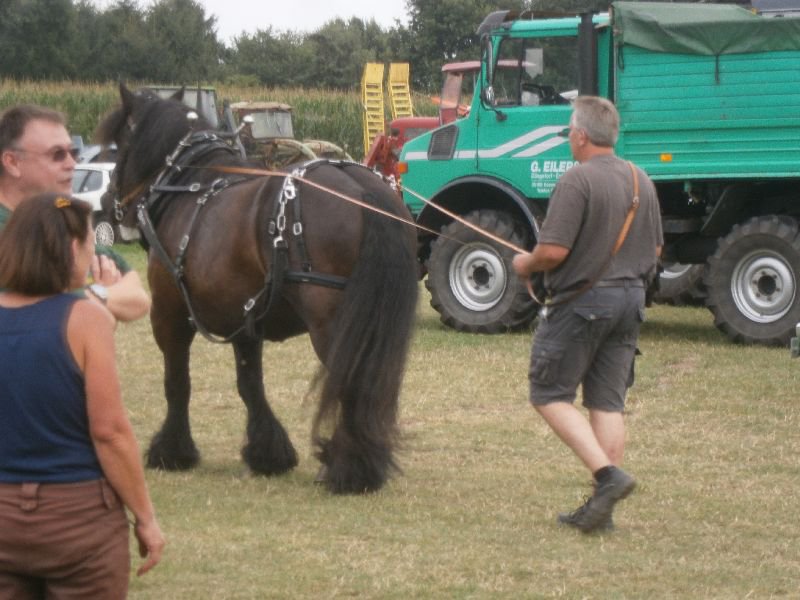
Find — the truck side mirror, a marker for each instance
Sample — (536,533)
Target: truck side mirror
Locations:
(488,95)
(488,62)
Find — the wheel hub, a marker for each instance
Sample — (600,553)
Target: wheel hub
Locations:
(104,234)
(763,287)
(478,276)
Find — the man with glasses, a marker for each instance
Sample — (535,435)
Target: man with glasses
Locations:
(598,247)
(36,156)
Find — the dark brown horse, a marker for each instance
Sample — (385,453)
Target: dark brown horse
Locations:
(251,258)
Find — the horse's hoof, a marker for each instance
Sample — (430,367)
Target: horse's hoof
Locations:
(322,475)
(172,464)
(172,455)
(274,463)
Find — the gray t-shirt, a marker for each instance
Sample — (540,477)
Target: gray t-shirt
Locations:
(585,214)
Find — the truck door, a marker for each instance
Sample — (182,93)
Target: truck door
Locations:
(525,113)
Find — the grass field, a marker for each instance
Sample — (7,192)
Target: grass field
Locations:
(712,438)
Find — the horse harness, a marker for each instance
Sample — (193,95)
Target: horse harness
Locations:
(150,208)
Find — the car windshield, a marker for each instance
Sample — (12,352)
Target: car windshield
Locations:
(86,181)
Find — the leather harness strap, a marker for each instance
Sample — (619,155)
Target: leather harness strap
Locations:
(150,207)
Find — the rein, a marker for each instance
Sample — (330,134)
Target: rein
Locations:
(137,191)
(345,197)
(332,192)
(299,176)
(129,197)
(463,221)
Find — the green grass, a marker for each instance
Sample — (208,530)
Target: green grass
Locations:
(712,438)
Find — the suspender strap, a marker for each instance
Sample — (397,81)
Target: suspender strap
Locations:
(626,226)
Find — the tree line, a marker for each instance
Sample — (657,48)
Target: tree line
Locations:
(175,41)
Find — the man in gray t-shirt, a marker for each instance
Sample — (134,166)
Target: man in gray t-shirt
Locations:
(585,214)
(587,334)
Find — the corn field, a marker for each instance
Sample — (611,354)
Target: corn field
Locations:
(329,115)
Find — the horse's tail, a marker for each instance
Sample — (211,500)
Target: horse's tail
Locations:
(367,354)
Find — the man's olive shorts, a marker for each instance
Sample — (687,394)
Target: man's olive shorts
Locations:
(591,341)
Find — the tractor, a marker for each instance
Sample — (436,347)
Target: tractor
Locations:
(268,135)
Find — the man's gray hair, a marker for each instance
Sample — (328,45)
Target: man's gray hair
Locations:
(598,117)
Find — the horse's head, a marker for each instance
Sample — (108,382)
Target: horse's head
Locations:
(146,129)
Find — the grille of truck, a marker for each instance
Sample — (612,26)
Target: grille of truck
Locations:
(443,143)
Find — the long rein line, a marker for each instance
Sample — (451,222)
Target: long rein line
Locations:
(253,171)
(463,221)
(483,232)
(294,176)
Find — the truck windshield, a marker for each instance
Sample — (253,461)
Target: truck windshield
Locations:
(545,68)
(272,124)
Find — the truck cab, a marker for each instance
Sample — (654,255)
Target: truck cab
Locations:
(496,167)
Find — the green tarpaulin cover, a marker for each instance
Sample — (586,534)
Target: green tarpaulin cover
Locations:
(710,29)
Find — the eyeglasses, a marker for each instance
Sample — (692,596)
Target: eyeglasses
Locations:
(58,154)
(567,130)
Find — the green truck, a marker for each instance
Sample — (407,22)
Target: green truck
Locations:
(709,98)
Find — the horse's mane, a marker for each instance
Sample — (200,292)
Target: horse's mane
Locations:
(158,124)
(107,130)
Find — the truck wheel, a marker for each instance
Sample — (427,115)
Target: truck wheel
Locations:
(681,285)
(473,286)
(752,281)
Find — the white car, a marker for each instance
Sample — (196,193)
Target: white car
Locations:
(89,183)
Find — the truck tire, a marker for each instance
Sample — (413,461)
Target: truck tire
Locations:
(752,281)
(472,283)
(681,285)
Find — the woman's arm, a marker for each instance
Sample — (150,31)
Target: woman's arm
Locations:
(127,298)
(90,331)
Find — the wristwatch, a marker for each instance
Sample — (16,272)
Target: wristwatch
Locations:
(99,291)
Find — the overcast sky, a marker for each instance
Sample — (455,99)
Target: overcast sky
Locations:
(238,16)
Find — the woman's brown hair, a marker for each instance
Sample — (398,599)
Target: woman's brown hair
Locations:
(36,245)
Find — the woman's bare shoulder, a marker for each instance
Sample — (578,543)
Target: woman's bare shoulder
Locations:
(88,316)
